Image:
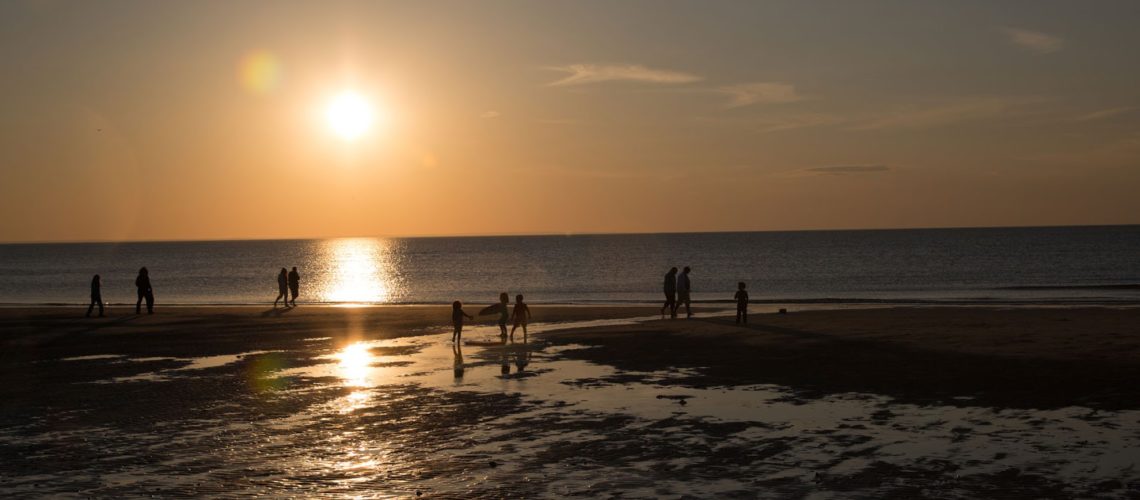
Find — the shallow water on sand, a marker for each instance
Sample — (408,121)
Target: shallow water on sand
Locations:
(382,418)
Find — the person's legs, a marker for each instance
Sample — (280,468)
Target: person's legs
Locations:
(150,302)
(739,313)
(745,315)
(92,306)
(138,305)
(98,300)
(295,294)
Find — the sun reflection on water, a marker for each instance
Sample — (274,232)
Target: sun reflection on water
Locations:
(360,271)
(355,365)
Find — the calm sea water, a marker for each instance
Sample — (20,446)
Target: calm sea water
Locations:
(1060,264)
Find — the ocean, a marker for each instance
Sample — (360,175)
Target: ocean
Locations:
(1062,265)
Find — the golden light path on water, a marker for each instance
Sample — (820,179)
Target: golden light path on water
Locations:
(353,368)
(360,271)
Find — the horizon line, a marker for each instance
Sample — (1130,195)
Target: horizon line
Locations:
(523,234)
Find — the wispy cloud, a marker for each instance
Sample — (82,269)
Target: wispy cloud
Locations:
(583,74)
(562,171)
(800,121)
(1034,40)
(1104,113)
(748,94)
(847,169)
(490,114)
(962,110)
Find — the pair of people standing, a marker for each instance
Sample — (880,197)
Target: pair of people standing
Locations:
(678,289)
(288,281)
(142,283)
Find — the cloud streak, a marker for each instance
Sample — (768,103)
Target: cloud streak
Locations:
(1104,113)
(759,93)
(1034,40)
(847,169)
(585,74)
(946,114)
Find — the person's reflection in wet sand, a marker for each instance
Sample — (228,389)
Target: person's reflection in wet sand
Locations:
(522,357)
(505,362)
(457,349)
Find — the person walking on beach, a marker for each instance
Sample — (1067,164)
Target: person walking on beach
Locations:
(282,287)
(741,304)
(684,288)
(142,283)
(457,316)
(294,284)
(96,296)
(520,315)
(503,310)
(670,294)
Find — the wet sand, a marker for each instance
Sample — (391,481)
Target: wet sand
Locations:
(376,402)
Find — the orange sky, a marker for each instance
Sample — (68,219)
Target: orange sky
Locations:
(138,120)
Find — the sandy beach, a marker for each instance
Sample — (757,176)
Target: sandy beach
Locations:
(375,401)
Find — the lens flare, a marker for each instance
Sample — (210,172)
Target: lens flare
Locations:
(259,72)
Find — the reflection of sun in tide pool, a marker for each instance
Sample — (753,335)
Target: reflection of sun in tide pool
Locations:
(349,115)
(355,363)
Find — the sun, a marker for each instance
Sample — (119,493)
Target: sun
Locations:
(349,115)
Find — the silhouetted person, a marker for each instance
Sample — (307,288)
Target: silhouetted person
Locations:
(142,282)
(670,294)
(520,315)
(503,310)
(741,304)
(96,296)
(457,316)
(684,288)
(282,287)
(294,284)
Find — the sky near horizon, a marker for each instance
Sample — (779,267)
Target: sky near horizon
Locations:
(206,119)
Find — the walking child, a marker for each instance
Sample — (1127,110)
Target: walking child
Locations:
(457,316)
(741,304)
(520,316)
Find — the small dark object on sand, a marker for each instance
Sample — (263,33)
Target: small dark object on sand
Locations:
(494,464)
(783,311)
(419,493)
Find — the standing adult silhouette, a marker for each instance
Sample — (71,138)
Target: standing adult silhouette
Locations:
(96,296)
(142,283)
(670,294)
(294,285)
(684,288)
(282,287)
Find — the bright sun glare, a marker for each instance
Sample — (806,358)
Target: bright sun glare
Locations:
(349,115)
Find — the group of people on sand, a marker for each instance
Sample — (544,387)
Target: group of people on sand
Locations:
(288,282)
(679,289)
(519,315)
(142,283)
